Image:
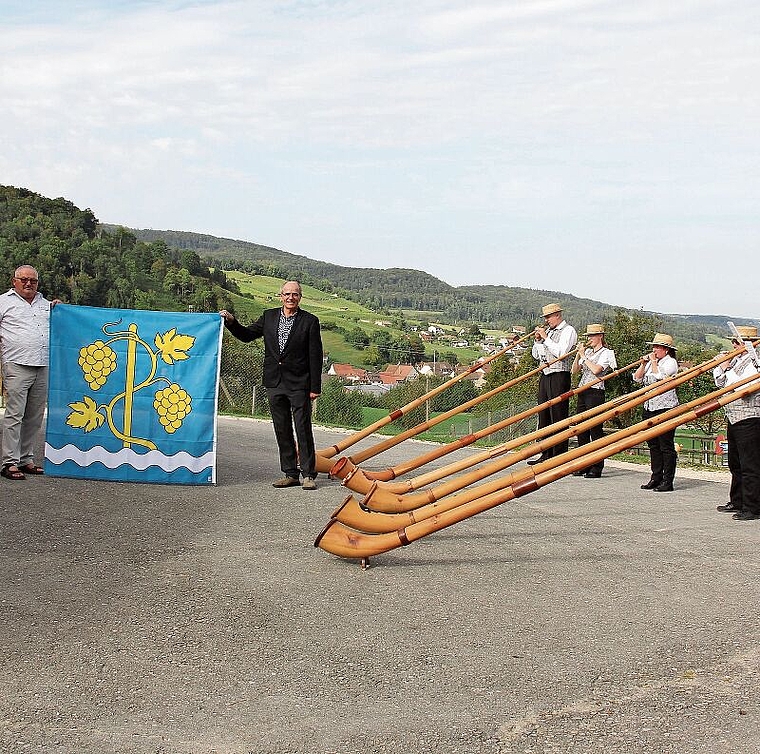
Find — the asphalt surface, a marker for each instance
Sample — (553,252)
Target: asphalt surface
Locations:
(589,616)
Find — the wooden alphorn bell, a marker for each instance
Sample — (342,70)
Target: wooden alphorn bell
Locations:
(345,542)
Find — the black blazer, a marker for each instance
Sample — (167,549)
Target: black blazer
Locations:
(299,366)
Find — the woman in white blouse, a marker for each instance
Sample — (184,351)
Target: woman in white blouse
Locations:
(593,362)
(658,365)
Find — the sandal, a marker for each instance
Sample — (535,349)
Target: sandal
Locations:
(31,468)
(11,471)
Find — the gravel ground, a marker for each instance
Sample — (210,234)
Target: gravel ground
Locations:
(589,616)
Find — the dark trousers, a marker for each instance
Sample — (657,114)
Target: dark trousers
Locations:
(289,410)
(552,386)
(662,452)
(591,398)
(744,464)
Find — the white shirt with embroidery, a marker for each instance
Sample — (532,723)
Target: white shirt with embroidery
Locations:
(605,358)
(559,341)
(667,366)
(739,368)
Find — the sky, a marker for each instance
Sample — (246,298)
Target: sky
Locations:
(601,148)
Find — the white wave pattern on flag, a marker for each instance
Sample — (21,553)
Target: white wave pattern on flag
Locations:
(141,461)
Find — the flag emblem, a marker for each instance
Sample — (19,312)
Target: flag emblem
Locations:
(132,395)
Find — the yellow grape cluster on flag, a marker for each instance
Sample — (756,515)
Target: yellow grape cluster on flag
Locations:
(97,361)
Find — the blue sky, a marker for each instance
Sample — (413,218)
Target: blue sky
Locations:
(604,149)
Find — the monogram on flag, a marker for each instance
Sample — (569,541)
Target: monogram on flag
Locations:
(132,395)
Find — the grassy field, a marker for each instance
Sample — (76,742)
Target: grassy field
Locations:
(444,432)
(260,292)
(328,307)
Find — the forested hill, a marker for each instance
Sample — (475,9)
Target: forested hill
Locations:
(377,288)
(496,306)
(81,263)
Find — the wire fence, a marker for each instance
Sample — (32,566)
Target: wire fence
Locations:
(242,392)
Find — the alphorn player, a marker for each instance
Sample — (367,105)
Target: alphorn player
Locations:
(554,339)
(658,365)
(593,362)
(743,432)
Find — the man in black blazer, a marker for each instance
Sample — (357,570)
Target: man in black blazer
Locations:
(292,377)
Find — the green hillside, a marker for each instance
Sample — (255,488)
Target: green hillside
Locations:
(422,297)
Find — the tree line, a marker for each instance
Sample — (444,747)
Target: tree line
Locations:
(81,263)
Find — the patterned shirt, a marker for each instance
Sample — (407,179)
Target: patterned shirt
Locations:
(667,366)
(284,327)
(739,368)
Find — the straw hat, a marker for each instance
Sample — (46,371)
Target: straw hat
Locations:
(593,330)
(747,332)
(661,339)
(551,309)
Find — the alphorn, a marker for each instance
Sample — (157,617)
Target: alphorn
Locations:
(381,501)
(393,472)
(345,542)
(356,481)
(391,442)
(323,455)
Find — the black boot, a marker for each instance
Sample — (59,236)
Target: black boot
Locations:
(668,473)
(651,484)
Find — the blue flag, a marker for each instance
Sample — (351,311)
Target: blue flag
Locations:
(132,395)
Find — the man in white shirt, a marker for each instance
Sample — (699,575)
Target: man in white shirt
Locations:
(24,346)
(557,338)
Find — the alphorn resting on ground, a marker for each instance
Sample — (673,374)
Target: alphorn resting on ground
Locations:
(359,516)
(392,472)
(355,479)
(340,540)
(381,501)
(323,455)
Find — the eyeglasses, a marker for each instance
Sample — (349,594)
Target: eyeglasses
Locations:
(31,281)
(290,295)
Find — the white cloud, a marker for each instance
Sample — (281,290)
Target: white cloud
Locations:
(419,134)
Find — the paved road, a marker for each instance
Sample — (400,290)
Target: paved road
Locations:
(589,616)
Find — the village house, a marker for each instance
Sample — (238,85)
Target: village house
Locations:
(348,372)
(477,376)
(394,374)
(435,369)
(378,390)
